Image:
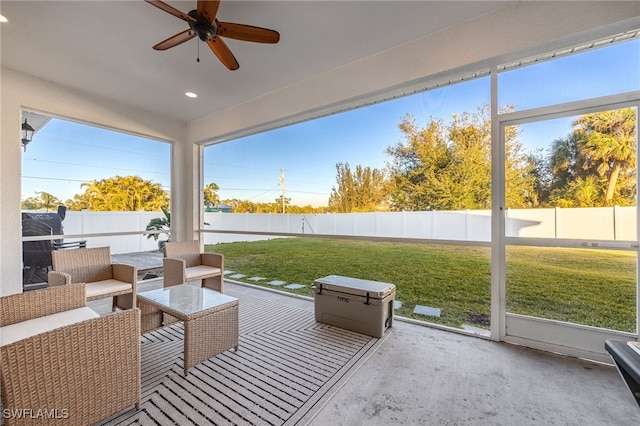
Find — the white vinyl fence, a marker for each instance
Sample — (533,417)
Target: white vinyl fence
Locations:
(88,222)
(606,223)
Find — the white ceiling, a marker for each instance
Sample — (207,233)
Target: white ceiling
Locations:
(105,47)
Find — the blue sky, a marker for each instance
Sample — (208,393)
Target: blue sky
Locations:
(63,154)
(250,167)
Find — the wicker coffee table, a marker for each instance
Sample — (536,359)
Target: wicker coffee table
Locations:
(210,319)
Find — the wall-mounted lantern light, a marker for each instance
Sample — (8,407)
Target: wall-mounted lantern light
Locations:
(27,134)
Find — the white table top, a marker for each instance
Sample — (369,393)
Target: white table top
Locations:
(186,299)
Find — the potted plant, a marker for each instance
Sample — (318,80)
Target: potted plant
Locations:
(162,224)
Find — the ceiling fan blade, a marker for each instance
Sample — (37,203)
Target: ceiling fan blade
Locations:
(247,33)
(175,40)
(222,51)
(208,9)
(170,9)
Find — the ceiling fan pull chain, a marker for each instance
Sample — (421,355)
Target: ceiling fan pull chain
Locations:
(198,60)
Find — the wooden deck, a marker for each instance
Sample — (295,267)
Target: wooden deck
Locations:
(286,367)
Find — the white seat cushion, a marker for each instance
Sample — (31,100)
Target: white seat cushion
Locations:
(100,288)
(199,271)
(22,330)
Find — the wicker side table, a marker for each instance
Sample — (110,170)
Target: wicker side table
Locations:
(210,319)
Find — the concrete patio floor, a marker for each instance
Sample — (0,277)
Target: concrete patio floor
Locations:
(426,376)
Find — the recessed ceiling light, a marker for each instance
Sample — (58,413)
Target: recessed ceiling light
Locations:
(191,94)
(3,19)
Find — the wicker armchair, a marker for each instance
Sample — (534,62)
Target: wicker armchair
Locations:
(77,370)
(103,279)
(183,262)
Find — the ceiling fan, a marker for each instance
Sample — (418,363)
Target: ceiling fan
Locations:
(204,24)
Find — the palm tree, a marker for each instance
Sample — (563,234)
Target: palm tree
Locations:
(580,192)
(128,193)
(93,194)
(608,140)
(566,161)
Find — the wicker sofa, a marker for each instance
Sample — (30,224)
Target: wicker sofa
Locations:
(62,363)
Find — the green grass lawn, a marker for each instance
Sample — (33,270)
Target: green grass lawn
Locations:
(592,287)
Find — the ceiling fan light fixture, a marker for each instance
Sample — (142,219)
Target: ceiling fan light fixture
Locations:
(204,24)
(3,19)
(191,94)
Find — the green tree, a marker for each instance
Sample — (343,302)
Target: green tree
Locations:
(279,203)
(294,209)
(566,162)
(364,190)
(43,201)
(580,192)
(128,193)
(448,166)
(609,142)
(595,165)
(78,202)
(244,206)
(211,199)
(522,173)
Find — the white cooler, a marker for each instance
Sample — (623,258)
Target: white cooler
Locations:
(358,305)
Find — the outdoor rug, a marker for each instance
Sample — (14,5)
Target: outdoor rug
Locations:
(286,369)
